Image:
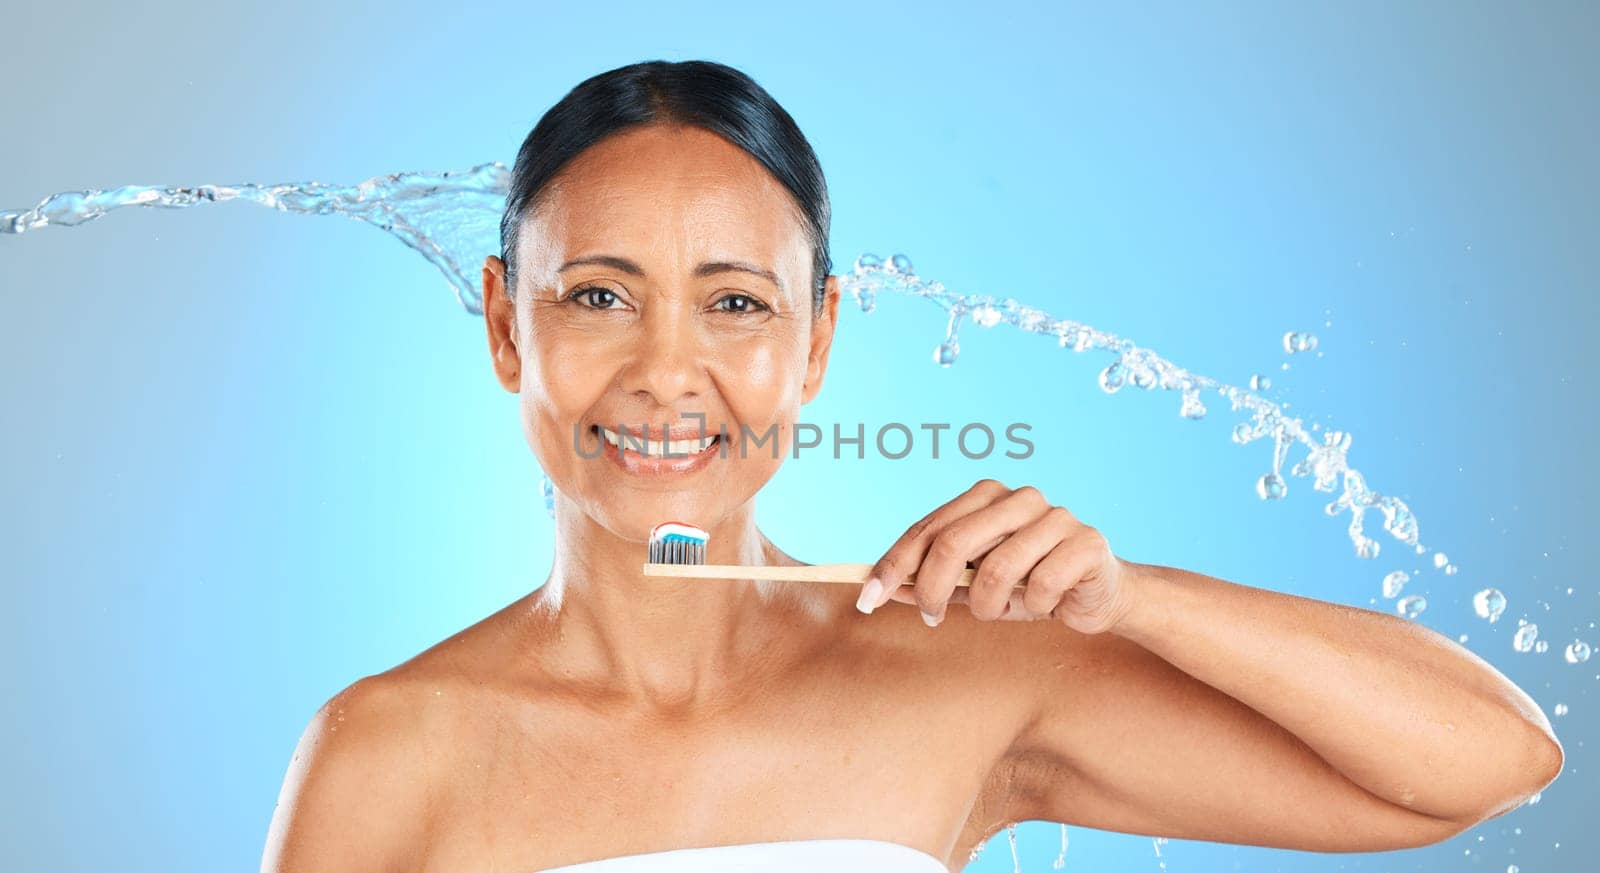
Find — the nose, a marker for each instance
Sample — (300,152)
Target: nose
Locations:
(667,364)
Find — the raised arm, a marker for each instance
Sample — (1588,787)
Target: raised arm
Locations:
(355,792)
(1221,712)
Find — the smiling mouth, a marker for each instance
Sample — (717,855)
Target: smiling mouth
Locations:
(650,444)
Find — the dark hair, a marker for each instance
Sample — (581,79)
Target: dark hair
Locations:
(702,94)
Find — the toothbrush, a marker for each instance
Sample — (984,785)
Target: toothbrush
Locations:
(678,549)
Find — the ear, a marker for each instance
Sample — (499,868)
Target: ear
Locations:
(822,326)
(500,317)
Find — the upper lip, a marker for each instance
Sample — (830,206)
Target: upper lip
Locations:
(657,433)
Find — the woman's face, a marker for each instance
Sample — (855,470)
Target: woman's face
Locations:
(663,277)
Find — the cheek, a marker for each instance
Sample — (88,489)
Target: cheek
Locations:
(556,390)
(761,379)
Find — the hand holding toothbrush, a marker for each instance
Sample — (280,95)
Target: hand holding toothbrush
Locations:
(1013,537)
(1033,560)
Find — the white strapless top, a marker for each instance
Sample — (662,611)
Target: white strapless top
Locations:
(780,856)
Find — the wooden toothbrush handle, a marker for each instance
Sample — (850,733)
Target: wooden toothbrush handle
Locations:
(849,574)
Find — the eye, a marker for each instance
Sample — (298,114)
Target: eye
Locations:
(597,294)
(750,304)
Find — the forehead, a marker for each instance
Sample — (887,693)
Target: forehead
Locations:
(664,194)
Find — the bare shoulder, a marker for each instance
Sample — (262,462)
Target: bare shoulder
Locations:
(357,790)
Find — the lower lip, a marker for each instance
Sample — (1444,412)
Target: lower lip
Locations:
(648,465)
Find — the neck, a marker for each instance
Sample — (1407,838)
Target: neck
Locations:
(664,641)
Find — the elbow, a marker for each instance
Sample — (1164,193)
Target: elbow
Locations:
(1541,760)
(1549,759)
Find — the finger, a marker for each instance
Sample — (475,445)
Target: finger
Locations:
(903,558)
(966,539)
(1015,611)
(1007,564)
(907,594)
(1060,571)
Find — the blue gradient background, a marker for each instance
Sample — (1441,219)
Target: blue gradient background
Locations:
(250,458)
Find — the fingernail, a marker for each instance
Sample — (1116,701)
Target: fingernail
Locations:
(929,619)
(870,592)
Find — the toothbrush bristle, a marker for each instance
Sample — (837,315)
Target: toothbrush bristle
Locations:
(673,542)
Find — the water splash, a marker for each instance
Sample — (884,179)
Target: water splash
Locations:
(452,219)
(446,217)
(1327,454)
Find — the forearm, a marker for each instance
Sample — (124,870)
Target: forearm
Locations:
(1400,710)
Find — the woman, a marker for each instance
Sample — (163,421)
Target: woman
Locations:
(664,269)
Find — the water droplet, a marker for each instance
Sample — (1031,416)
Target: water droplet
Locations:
(1489,603)
(1260,383)
(1561,709)
(1192,407)
(1271,487)
(1440,559)
(1535,798)
(1512,868)
(1411,605)
(1393,582)
(868,261)
(946,353)
(901,264)
(1113,377)
(1523,641)
(548,490)
(1541,646)
(1298,341)
(1577,652)
(1450,569)
(986,315)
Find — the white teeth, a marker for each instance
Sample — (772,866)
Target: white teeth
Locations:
(654,448)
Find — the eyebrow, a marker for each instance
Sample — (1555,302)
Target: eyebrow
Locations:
(706,268)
